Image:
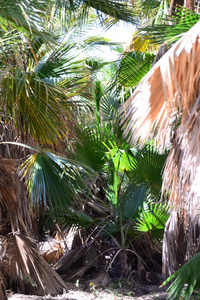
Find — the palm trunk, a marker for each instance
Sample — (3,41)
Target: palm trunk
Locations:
(13,200)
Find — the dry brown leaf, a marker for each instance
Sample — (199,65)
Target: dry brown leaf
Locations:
(26,269)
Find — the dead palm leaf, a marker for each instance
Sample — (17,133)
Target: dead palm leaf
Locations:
(169,88)
(25,268)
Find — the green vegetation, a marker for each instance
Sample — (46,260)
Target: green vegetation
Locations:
(96,147)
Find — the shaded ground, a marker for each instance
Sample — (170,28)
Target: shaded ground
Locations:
(118,291)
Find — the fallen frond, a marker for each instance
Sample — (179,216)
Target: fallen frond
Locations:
(26,270)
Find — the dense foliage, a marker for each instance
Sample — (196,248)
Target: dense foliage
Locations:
(60,129)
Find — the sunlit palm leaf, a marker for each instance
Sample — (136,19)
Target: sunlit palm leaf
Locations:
(122,156)
(153,219)
(116,9)
(36,106)
(11,42)
(133,67)
(186,284)
(26,269)
(173,27)
(110,102)
(65,62)
(23,15)
(120,10)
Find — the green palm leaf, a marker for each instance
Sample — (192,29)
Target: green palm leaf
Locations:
(52,180)
(23,15)
(90,149)
(153,219)
(74,218)
(122,156)
(35,106)
(110,229)
(109,106)
(172,27)
(11,43)
(147,168)
(116,9)
(63,62)
(186,284)
(133,67)
(132,201)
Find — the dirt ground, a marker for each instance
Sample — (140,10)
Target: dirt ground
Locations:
(118,292)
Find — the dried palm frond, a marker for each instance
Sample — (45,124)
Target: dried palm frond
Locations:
(51,250)
(169,88)
(68,259)
(26,270)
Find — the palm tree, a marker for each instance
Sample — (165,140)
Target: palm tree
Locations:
(37,107)
(164,107)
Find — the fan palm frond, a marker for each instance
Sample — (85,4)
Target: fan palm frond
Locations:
(90,149)
(109,107)
(153,219)
(110,229)
(66,67)
(116,10)
(186,281)
(26,270)
(12,42)
(77,219)
(52,180)
(120,155)
(147,168)
(132,201)
(35,106)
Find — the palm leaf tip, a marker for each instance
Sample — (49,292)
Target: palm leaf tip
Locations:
(149,110)
(186,282)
